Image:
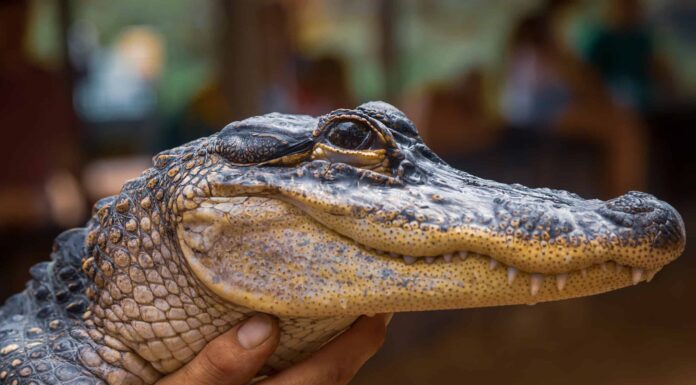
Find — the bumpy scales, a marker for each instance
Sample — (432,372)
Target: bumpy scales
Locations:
(316,221)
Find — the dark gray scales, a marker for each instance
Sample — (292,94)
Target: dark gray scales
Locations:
(41,328)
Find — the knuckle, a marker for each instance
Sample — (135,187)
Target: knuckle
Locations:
(216,361)
(378,335)
(214,367)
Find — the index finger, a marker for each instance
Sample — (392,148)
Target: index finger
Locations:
(338,361)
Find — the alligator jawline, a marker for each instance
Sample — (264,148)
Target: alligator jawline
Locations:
(633,274)
(636,274)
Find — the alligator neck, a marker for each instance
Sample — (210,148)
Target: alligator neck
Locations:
(143,297)
(145,300)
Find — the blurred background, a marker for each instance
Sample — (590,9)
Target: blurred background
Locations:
(597,97)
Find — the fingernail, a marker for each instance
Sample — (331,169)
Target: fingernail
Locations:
(255,331)
(388,318)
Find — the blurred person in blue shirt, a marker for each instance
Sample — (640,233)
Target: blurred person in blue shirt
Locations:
(623,53)
(549,89)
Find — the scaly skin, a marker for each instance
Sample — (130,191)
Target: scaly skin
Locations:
(283,214)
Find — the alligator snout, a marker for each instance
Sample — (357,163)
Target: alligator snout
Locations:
(635,202)
(647,217)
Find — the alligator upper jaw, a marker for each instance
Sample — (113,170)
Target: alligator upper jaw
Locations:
(536,230)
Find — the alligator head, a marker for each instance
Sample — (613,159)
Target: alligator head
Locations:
(351,213)
(346,214)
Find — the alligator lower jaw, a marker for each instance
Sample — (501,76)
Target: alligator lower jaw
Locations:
(270,256)
(634,274)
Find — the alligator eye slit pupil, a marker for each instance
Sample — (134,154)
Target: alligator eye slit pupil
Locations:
(350,135)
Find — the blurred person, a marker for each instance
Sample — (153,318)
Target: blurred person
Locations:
(547,88)
(38,149)
(322,85)
(535,92)
(622,51)
(117,97)
(454,118)
(208,111)
(271,85)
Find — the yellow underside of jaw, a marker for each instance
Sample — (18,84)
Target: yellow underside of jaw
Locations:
(270,256)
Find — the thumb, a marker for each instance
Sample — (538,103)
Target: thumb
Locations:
(232,358)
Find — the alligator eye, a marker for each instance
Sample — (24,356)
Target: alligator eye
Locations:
(350,135)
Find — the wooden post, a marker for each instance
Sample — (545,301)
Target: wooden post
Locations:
(240,51)
(389,50)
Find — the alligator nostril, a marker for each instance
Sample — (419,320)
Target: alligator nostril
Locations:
(634,202)
(648,216)
(670,231)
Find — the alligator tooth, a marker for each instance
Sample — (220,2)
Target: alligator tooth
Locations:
(636,275)
(409,259)
(370,249)
(607,265)
(583,272)
(651,275)
(492,264)
(429,259)
(512,274)
(447,257)
(463,254)
(535,285)
(561,280)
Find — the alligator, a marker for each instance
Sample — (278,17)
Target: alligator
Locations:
(315,221)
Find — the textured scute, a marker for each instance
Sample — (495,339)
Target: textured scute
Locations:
(144,294)
(263,138)
(642,213)
(391,117)
(41,328)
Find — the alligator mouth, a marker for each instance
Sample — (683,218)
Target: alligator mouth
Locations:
(270,255)
(303,240)
(536,279)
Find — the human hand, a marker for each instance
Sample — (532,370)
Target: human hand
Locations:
(236,356)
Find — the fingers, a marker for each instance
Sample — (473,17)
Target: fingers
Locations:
(338,361)
(233,358)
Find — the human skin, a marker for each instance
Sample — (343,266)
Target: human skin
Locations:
(236,356)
